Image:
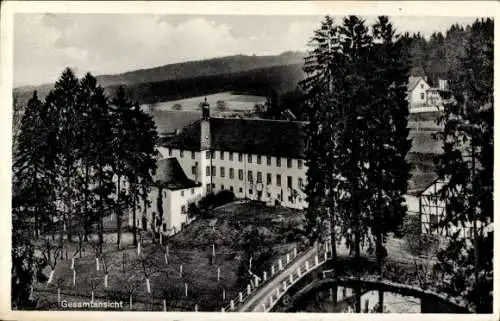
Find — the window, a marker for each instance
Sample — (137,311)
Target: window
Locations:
(301,183)
(289,181)
(278,161)
(213,171)
(241,190)
(170,152)
(269,179)
(231,188)
(213,155)
(269,160)
(207,171)
(240,174)
(192,191)
(278,196)
(259,159)
(259,177)
(250,191)
(289,162)
(221,155)
(433,221)
(222,187)
(268,195)
(249,158)
(182,153)
(182,193)
(422,96)
(240,157)
(193,170)
(183,209)
(231,173)
(207,155)
(278,180)
(209,188)
(222,172)
(213,186)
(164,227)
(299,163)
(290,198)
(192,154)
(231,156)
(422,86)
(250,176)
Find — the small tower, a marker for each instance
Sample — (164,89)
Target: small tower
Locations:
(205,141)
(205,109)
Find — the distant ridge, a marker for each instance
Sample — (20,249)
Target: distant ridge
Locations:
(189,69)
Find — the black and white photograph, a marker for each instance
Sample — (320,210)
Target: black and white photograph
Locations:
(327,161)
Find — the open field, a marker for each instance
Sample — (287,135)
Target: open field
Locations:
(233,102)
(191,248)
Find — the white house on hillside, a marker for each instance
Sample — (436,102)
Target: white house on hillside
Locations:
(417,92)
(256,159)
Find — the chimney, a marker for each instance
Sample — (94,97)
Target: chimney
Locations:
(197,173)
(205,139)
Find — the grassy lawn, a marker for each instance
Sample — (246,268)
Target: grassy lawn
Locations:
(190,248)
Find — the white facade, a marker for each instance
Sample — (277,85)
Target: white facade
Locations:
(174,205)
(417,96)
(246,175)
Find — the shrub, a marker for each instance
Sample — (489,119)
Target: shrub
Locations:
(214,200)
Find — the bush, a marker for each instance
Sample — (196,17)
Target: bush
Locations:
(417,243)
(214,200)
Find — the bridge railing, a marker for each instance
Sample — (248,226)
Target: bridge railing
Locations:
(309,265)
(259,281)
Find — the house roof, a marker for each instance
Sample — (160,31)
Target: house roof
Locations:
(252,136)
(168,121)
(413,82)
(170,174)
(420,181)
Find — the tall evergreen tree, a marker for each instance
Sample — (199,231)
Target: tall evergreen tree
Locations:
(124,153)
(320,68)
(388,170)
(466,166)
(63,100)
(357,136)
(146,138)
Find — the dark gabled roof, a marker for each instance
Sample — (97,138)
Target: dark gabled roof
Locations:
(252,136)
(170,174)
(420,181)
(168,121)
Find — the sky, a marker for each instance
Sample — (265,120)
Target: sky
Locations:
(44,44)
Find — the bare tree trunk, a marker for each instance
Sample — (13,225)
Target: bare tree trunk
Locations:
(134,218)
(118,217)
(101,214)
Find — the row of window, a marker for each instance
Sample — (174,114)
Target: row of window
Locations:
(291,198)
(212,171)
(289,161)
(182,192)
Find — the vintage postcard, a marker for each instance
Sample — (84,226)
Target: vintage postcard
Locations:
(305,158)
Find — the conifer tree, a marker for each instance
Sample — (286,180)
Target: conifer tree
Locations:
(124,153)
(357,136)
(320,67)
(466,167)
(62,99)
(388,170)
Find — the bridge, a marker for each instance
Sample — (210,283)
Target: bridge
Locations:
(263,296)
